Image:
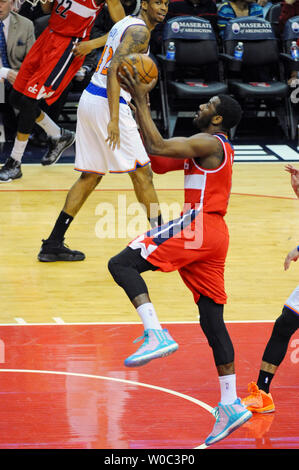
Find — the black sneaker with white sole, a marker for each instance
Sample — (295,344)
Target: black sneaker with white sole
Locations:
(58,146)
(53,250)
(11,170)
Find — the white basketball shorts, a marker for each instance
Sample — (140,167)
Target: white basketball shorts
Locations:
(93,153)
(293,301)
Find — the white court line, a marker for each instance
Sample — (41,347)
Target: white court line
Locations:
(114,379)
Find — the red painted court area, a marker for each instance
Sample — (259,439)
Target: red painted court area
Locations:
(65,387)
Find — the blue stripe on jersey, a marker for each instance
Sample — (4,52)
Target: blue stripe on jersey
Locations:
(61,68)
(166,231)
(224,139)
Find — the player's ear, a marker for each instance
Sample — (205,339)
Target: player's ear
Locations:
(217,120)
(144,4)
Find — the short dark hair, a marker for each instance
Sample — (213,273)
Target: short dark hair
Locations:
(230,110)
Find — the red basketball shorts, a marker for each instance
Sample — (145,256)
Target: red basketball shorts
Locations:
(48,67)
(196,245)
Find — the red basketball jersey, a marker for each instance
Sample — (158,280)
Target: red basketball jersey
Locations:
(74,18)
(210,188)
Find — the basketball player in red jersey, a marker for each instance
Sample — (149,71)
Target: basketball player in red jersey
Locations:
(47,69)
(195,244)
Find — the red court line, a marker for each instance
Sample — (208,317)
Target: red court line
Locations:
(75,411)
(131,190)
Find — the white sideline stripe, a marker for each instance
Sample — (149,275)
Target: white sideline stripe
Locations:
(251,152)
(250,147)
(114,379)
(284,151)
(256,157)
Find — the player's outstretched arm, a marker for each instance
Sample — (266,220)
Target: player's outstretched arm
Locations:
(117,13)
(86,47)
(116,10)
(136,39)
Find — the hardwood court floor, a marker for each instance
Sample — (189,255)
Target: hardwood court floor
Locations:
(262,218)
(66,327)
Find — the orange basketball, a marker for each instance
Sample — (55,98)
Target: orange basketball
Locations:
(146,67)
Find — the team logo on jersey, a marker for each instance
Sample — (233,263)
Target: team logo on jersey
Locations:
(44,94)
(33,89)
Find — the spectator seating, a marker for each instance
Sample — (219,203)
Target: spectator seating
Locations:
(258,81)
(195,74)
(291,33)
(273,17)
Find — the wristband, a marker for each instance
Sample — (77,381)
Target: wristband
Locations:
(4,72)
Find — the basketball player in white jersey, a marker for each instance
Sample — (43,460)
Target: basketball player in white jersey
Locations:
(107,137)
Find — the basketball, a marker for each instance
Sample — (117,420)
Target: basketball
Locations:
(146,67)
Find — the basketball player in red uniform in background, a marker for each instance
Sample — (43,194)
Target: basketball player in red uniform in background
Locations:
(195,244)
(47,69)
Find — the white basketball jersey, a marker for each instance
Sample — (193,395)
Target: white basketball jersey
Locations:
(115,36)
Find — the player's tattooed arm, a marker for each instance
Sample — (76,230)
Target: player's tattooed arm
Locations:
(136,40)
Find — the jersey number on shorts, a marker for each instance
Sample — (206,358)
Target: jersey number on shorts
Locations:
(66,7)
(109,57)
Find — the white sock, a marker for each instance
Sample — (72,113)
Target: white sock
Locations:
(18,149)
(148,316)
(50,127)
(228,389)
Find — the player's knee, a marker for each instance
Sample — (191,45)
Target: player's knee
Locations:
(29,111)
(15,98)
(142,176)
(286,324)
(119,264)
(115,267)
(90,179)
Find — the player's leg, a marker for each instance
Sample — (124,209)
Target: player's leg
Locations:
(260,399)
(27,91)
(126,269)
(89,160)
(230,413)
(142,180)
(53,248)
(28,113)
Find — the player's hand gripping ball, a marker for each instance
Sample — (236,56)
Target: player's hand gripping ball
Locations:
(146,68)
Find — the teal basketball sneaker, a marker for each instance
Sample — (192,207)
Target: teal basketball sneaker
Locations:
(228,419)
(157,343)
